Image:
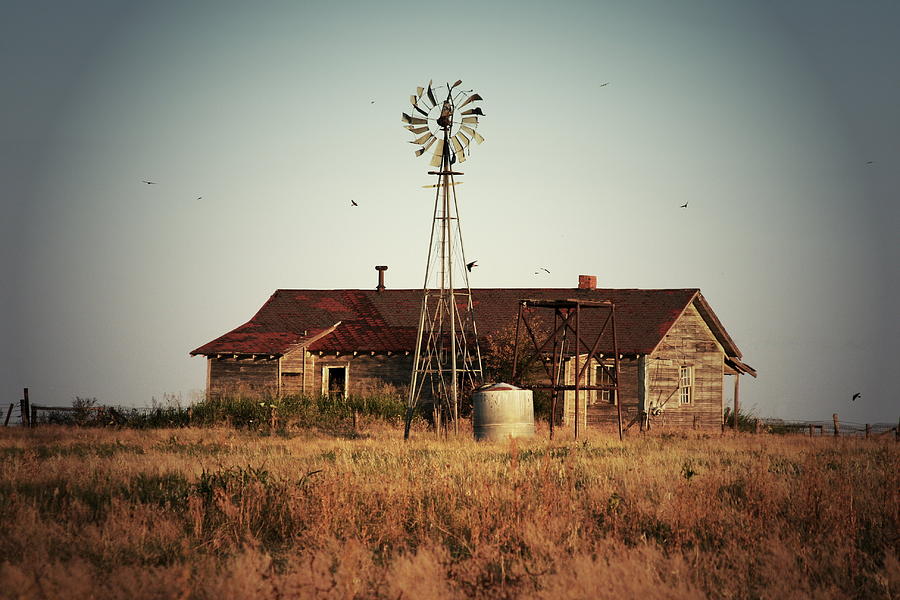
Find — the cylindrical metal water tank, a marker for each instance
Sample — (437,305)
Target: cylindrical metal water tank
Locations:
(501,410)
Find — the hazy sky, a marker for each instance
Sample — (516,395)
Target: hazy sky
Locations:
(761,115)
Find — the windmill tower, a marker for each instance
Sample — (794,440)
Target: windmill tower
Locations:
(444,120)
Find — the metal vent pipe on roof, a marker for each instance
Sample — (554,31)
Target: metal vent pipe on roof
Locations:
(381,269)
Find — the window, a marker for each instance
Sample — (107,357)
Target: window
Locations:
(604,376)
(686,384)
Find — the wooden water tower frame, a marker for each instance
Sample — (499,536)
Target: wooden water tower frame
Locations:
(553,351)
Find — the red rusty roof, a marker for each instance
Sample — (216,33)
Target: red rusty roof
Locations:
(387,321)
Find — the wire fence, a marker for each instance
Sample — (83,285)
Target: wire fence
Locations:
(177,416)
(844,428)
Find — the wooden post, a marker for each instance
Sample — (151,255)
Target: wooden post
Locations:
(25,409)
(33,415)
(837,425)
(354,420)
(575,366)
(737,399)
(868,430)
(810,431)
(755,425)
(696,421)
(8,413)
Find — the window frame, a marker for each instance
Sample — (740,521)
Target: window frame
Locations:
(685,385)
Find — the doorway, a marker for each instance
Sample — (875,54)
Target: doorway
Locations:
(334,382)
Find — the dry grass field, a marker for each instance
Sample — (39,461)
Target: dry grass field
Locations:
(220,513)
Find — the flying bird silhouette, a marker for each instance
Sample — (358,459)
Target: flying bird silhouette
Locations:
(470,265)
(855,396)
(604,84)
(149,182)
(353,203)
(870,162)
(684,205)
(199,197)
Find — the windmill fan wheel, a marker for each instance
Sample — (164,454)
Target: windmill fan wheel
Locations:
(444,120)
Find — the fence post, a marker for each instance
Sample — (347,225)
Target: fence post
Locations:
(755,425)
(837,425)
(33,415)
(868,430)
(25,409)
(9,413)
(810,431)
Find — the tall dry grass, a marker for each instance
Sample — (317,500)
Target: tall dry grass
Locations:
(220,513)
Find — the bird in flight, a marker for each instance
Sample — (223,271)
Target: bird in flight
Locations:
(856,395)
(684,205)
(538,272)
(353,203)
(470,265)
(149,182)
(199,197)
(372,102)
(870,162)
(604,84)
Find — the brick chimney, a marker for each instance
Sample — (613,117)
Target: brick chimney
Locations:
(381,269)
(587,282)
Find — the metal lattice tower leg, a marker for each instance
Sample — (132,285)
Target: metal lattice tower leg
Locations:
(447,358)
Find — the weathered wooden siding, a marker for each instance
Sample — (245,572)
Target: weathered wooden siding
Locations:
(298,369)
(597,413)
(688,343)
(366,373)
(242,376)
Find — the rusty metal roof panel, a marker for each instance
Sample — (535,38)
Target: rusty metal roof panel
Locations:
(388,320)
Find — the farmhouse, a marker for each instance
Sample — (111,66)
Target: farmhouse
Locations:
(674,351)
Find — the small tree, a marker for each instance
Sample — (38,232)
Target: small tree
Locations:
(499,352)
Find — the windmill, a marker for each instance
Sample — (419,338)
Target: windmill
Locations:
(444,120)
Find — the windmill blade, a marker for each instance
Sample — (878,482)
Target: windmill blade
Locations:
(467,129)
(457,147)
(427,145)
(458,81)
(470,120)
(431,95)
(474,111)
(414,120)
(478,138)
(420,110)
(424,101)
(419,91)
(438,157)
(417,130)
(462,142)
(472,98)
(421,140)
